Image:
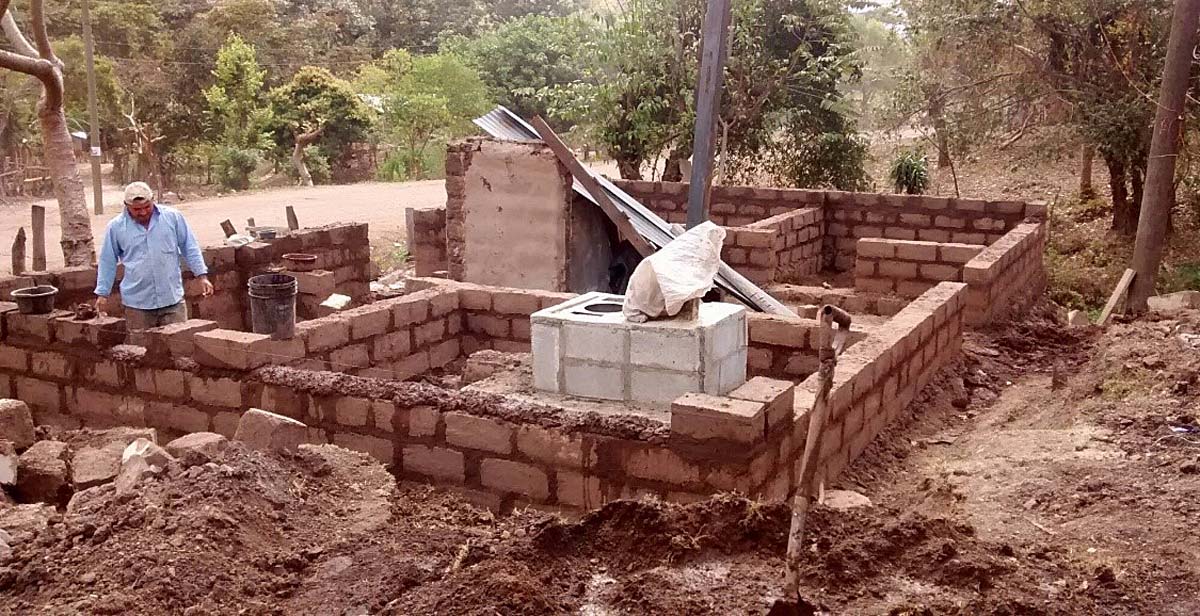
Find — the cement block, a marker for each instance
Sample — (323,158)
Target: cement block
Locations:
(593,381)
(594,343)
(42,473)
(515,477)
(662,386)
(670,349)
(703,417)
(547,354)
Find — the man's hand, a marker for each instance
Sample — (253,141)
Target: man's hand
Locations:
(206,287)
(102,305)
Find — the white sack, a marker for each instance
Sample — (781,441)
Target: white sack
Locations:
(683,270)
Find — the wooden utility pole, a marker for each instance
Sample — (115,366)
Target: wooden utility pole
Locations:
(713,53)
(1159,193)
(93,110)
(18,253)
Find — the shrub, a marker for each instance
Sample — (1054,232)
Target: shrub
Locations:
(235,165)
(910,173)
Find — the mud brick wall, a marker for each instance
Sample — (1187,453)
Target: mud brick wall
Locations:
(342,249)
(427,240)
(874,383)
(1005,276)
(786,348)
(732,206)
(777,249)
(808,299)
(908,268)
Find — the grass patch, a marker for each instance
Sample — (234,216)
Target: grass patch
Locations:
(389,255)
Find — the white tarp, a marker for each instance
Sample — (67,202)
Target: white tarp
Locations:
(683,270)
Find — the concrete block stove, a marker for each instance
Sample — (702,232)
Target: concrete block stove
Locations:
(585,347)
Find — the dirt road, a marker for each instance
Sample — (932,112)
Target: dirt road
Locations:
(381,205)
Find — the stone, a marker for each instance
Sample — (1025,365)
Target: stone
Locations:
(25,522)
(1174,302)
(8,464)
(958,393)
(16,423)
(143,448)
(265,431)
(93,466)
(845,499)
(42,473)
(1078,318)
(203,446)
(133,471)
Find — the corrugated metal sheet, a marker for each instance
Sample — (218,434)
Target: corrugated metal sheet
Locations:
(501,123)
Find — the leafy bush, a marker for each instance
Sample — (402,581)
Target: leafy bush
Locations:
(235,165)
(910,173)
(394,168)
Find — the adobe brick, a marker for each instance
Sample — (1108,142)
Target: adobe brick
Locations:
(408,367)
(39,326)
(876,248)
(411,309)
(493,326)
(369,321)
(224,348)
(968,238)
(897,269)
(38,394)
(900,233)
(475,299)
(324,334)
(864,268)
(919,220)
(917,251)
(428,333)
(170,416)
(350,357)
(933,235)
(911,288)
(13,358)
(958,253)
(216,392)
(480,433)
(352,411)
(656,463)
(378,448)
(778,331)
(776,395)
(435,462)
(577,490)
(933,271)
(516,302)
(755,239)
(515,477)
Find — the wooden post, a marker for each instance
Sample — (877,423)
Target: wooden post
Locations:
(228,228)
(829,347)
(250,223)
(1118,293)
(293,222)
(713,53)
(18,253)
(39,238)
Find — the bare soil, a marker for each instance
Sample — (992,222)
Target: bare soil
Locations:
(1060,490)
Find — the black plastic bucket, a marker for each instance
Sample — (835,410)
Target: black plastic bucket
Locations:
(273,305)
(35,300)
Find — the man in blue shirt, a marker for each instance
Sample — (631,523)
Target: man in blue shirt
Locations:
(149,239)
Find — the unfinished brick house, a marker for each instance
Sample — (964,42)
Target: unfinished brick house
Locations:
(533,420)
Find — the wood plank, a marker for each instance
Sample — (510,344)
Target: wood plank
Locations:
(18,253)
(1118,293)
(624,225)
(713,54)
(293,222)
(39,238)
(228,228)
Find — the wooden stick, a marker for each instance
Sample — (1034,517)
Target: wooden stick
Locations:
(624,226)
(802,500)
(1121,291)
(39,238)
(18,253)
(228,228)
(293,222)
(250,223)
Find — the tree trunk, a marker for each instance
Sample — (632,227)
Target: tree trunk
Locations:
(1086,191)
(629,167)
(1164,152)
(303,140)
(1120,191)
(937,115)
(77,244)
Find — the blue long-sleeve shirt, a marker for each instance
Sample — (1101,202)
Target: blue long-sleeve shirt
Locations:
(153,277)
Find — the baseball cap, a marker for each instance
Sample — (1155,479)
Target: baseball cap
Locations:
(138,191)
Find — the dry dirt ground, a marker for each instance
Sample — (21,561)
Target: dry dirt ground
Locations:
(1066,489)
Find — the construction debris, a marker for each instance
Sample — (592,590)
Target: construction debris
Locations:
(265,431)
(43,474)
(16,423)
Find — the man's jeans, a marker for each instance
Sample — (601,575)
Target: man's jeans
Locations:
(137,320)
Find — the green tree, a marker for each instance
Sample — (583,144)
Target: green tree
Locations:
(316,109)
(526,55)
(423,99)
(237,112)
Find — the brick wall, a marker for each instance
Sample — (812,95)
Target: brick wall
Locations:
(786,348)
(908,268)
(1006,275)
(341,249)
(852,216)
(776,249)
(427,240)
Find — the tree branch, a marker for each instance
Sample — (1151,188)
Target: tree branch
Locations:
(35,67)
(37,18)
(13,33)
